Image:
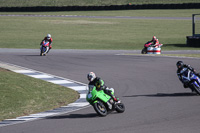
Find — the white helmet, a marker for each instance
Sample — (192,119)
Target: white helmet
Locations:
(48,36)
(91,76)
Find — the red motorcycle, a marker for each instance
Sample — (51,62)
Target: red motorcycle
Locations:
(146,45)
(149,44)
(44,48)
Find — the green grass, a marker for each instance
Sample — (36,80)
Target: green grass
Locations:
(24,3)
(93,33)
(22,95)
(135,13)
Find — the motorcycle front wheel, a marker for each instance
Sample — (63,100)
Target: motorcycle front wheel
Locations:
(144,51)
(196,89)
(119,107)
(41,51)
(100,108)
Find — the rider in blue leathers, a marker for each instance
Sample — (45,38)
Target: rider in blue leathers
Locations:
(183,70)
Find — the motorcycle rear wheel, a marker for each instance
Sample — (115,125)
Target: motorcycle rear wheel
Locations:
(100,108)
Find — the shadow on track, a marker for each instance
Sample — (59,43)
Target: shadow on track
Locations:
(165,95)
(74,116)
(30,55)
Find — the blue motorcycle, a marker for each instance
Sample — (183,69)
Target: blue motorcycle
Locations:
(44,48)
(191,80)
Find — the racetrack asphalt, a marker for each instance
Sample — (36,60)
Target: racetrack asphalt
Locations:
(155,100)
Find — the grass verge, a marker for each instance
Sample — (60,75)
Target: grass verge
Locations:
(22,95)
(98,33)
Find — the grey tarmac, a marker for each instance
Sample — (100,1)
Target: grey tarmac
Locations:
(155,100)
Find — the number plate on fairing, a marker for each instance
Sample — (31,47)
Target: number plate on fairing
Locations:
(89,96)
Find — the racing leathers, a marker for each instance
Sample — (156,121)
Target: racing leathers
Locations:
(183,71)
(99,84)
(50,42)
(154,42)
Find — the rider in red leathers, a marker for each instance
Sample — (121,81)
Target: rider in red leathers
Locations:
(48,38)
(154,41)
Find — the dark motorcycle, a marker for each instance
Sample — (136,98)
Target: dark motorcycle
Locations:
(190,79)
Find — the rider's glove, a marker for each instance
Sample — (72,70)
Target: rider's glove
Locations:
(98,87)
(101,88)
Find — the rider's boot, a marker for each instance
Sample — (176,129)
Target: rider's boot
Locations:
(115,99)
(49,49)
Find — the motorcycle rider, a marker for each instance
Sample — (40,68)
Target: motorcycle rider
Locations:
(99,84)
(154,41)
(180,65)
(48,38)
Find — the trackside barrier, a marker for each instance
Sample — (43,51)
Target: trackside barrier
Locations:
(152,50)
(97,8)
(157,51)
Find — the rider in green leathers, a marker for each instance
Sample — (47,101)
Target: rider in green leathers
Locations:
(99,84)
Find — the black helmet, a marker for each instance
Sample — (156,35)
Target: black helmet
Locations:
(179,64)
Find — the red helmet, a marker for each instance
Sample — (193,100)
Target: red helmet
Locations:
(154,38)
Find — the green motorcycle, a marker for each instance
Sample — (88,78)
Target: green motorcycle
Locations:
(103,103)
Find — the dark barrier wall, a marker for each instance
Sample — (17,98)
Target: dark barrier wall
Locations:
(92,8)
(193,41)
